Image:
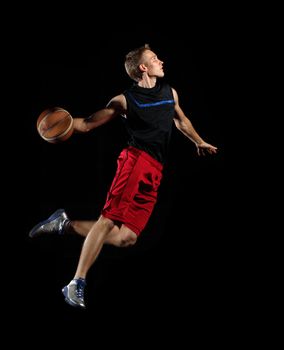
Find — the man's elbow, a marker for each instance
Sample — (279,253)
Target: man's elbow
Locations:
(180,125)
(81,125)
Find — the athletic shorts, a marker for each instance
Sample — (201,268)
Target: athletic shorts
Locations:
(133,192)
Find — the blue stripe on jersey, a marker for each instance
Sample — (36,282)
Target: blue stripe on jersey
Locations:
(143,105)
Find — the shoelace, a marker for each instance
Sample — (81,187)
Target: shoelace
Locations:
(80,290)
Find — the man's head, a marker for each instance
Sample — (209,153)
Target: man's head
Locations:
(141,60)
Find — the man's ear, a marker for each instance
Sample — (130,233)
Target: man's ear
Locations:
(142,67)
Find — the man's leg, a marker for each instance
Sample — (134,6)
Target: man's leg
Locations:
(59,223)
(119,236)
(74,291)
(93,244)
(102,232)
(79,227)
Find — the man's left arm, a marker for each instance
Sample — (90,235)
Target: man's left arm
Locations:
(185,126)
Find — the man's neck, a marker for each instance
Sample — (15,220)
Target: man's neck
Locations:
(147,82)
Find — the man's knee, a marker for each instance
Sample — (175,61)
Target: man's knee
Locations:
(127,238)
(108,223)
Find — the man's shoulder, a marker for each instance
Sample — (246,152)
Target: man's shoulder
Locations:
(130,87)
(165,84)
(166,89)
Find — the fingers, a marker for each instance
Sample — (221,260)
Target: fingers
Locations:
(212,150)
(201,151)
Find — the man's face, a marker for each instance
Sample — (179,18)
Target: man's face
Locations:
(153,64)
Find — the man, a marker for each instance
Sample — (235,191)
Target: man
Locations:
(149,107)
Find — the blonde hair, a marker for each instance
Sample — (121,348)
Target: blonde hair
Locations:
(133,60)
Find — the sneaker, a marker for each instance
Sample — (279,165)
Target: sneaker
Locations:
(74,293)
(54,224)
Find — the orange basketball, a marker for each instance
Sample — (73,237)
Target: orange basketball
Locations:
(55,125)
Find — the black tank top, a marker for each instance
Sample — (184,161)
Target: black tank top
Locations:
(149,118)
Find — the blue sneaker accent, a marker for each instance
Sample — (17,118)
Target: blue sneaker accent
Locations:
(74,293)
(54,224)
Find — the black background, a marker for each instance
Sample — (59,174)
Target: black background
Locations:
(179,266)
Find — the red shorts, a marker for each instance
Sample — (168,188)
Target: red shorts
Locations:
(133,192)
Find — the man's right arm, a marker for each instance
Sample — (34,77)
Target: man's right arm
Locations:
(115,107)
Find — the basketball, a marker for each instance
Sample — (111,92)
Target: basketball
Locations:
(55,125)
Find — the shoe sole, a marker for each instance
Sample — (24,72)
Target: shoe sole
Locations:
(69,301)
(47,221)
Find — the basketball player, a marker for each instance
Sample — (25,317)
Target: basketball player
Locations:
(150,107)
